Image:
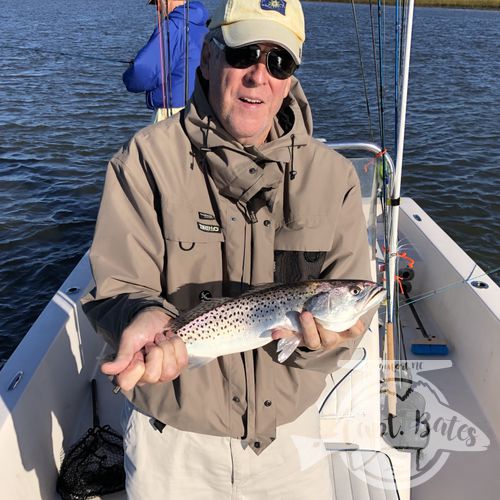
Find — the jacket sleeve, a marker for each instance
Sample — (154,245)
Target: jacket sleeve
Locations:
(128,252)
(144,73)
(348,258)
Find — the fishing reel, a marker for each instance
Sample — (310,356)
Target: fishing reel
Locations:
(405,276)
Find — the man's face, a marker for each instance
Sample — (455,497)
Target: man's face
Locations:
(244,100)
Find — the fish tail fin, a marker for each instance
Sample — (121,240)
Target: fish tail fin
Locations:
(286,347)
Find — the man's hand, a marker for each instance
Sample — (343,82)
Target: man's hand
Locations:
(315,337)
(145,354)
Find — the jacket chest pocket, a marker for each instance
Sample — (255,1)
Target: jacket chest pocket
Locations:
(194,262)
(291,266)
(300,249)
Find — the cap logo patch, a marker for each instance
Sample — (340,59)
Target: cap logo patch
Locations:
(276,5)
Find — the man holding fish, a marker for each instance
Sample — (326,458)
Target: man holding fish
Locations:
(230,194)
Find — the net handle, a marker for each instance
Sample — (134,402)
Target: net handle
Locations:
(95,417)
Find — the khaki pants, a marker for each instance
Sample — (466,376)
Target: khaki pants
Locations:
(188,466)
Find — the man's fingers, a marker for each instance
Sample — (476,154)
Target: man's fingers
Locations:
(181,354)
(281,333)
(315,336)
(174,356)
(358,329)
(120,363)
(331,340)
(130,376)
(153,364)
(328,339)
(311,337)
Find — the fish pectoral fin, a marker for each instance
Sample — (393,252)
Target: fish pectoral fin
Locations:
(286,347)
(197,361)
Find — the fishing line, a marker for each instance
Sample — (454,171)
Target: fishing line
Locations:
(437,291)
(66,54)
(362,69)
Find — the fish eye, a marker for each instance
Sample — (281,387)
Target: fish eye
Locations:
(355,290)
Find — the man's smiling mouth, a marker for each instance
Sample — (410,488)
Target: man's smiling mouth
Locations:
(251,101)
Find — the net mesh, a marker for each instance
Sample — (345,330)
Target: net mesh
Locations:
(93,466)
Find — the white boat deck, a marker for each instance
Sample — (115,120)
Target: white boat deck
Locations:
(462,438)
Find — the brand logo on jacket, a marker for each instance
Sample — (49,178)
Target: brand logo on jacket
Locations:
(205,295)
(276,5)
(208,228)
(205,216)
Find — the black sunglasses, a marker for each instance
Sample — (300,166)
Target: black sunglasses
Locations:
(279,62)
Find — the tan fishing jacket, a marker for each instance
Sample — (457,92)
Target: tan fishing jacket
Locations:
(187,214)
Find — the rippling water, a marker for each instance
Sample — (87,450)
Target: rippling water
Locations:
(64,112)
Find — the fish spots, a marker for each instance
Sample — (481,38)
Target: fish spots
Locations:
(238,322)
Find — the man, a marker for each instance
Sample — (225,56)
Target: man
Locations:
(159,68)
(230,193)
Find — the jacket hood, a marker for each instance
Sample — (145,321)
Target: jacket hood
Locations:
(198,14)
(241,172)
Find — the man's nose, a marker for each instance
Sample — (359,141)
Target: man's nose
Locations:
(257,73)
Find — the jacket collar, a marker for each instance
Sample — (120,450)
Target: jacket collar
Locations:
(241,172)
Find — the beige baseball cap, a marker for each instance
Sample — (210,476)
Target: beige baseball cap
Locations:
(244,22)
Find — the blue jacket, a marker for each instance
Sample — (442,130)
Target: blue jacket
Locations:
(144,73)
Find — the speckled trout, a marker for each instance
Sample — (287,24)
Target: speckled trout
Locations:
(225,326)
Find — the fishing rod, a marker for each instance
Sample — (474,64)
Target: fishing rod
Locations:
(384,198)
(397,69)
(168,70)
(362,68)
(437,291)
(391,206)
(67,54)
(186,65)
(394,201)
(159,12)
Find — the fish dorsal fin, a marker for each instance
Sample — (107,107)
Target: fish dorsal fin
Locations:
(259,288)
(202,308)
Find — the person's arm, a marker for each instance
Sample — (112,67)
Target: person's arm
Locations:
(321,349)
(127,258)
(144,74)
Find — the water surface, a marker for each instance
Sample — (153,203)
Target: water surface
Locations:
(64,111)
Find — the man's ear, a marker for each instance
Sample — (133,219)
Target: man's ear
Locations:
(204,63)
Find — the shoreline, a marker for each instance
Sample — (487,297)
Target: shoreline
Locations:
(451,4)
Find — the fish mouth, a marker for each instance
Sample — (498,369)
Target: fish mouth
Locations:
(375,297)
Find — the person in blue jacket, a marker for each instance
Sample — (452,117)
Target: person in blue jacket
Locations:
(166,90)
